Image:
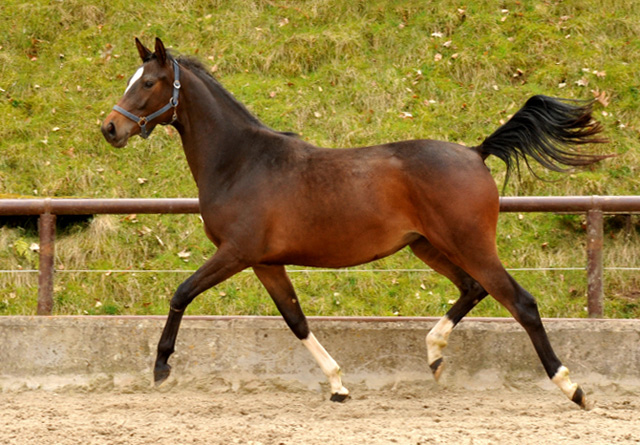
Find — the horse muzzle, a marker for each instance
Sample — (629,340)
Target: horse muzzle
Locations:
(116,133)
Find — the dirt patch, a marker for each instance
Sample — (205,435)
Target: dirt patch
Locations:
(403,416)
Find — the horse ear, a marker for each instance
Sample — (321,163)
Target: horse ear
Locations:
(161,53)
(145,53)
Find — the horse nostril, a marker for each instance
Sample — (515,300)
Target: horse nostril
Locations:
(109,131)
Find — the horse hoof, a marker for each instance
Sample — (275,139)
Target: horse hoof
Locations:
(161,373)
(580,399)
(339,397)
(436,368)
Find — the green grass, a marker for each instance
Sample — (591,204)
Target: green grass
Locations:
(458,70)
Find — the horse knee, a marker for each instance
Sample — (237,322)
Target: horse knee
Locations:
(181,298)
(299,327)
(527,309)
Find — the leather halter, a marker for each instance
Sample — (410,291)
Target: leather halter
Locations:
(142,121)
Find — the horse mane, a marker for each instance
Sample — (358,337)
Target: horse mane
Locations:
(196,67)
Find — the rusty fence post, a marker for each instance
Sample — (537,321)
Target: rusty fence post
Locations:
(595,295)
(47,232)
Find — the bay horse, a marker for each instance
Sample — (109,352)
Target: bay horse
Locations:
(269,199)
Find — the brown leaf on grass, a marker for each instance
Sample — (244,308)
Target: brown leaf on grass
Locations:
(601,96)
(582,82)
(133,218)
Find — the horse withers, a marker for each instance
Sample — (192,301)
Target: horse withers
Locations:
(269,199)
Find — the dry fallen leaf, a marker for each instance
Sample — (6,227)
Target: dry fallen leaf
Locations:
(582,82)
(601,96)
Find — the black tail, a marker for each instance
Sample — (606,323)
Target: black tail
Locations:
(546,129)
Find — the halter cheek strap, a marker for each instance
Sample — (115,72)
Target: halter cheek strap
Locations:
(142,121)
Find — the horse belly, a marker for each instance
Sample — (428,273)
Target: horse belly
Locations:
(341,245)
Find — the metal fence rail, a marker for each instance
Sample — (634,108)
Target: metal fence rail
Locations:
(593,206)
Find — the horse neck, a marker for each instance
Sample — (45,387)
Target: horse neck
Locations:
(213,126)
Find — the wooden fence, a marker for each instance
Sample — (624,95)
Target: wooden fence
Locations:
(593,206)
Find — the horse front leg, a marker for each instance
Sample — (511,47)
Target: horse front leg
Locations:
(277,283)
(217,269)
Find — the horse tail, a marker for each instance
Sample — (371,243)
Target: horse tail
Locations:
(547,130)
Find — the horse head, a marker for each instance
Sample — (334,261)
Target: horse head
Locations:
(151,97)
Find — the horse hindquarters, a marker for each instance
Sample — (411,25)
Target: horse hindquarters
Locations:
(459,242)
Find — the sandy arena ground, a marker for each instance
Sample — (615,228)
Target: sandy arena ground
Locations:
(259,416)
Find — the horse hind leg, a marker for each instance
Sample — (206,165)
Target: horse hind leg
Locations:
(277,283)
(471,293)
(522,305)
(525,310)
(489,276)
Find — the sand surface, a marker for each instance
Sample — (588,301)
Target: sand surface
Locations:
(272,416)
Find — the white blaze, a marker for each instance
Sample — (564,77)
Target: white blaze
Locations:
(135,78)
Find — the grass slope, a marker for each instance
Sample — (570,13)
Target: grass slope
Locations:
(339,73)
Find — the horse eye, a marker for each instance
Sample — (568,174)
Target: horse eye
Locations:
(148,84)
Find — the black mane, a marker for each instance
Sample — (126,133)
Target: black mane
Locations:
(196,67)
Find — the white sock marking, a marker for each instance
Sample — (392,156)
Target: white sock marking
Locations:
(561,378)
(328,365)
(137,75)
(437,338)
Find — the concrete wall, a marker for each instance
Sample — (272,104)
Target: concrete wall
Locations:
(94,352)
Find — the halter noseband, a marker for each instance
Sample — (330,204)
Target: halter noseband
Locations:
(142,121)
